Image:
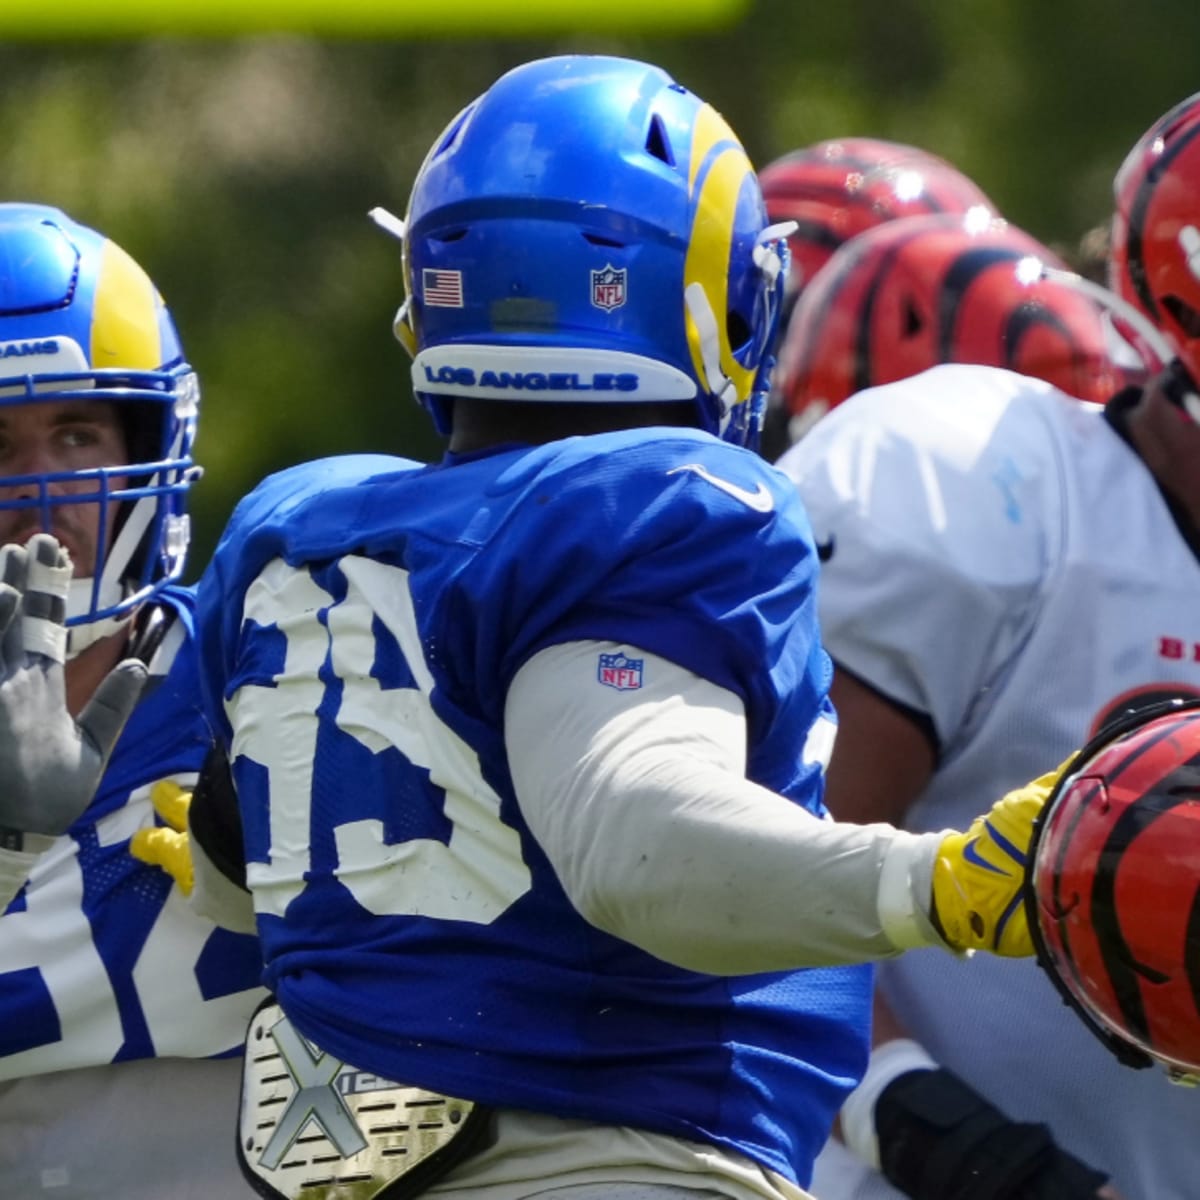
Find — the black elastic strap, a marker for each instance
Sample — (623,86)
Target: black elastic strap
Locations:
(215,820)
(150,627)
(941,1140)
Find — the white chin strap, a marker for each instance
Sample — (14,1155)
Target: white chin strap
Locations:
(79,603)
(112,589)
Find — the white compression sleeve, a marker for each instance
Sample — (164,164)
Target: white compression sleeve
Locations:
(640,802)
(217,898)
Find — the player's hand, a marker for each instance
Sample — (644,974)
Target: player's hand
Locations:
(935,1136)
(168,847)
(979,875)
(50,762)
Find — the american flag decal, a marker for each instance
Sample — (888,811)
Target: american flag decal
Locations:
(442,289)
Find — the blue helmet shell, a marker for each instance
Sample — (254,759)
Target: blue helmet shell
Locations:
(590,231)
(81,321)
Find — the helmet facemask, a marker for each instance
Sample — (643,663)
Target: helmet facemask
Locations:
(81,324)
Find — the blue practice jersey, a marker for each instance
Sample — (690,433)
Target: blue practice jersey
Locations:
(360,626)
(101,959)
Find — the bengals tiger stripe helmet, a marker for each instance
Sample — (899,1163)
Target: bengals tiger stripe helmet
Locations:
(838,188)
(927,290)
(1113,891)
(1155,255)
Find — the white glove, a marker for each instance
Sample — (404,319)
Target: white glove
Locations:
(50,763)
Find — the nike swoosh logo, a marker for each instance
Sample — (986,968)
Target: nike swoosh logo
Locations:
(825,549)
(975,859)
(760,500)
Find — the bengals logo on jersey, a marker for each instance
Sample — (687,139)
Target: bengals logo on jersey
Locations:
(1114,887)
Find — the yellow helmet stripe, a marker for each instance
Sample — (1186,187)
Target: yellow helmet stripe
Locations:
(125,309)
(717,170)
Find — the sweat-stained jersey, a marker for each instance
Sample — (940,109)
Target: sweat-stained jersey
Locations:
(360,624)
(103,964)
(999,560)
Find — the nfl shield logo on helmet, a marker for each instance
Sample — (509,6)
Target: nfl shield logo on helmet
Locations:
(608,287)
(620,672)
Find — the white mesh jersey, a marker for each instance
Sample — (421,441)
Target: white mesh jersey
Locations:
(999,559)
(123,1013)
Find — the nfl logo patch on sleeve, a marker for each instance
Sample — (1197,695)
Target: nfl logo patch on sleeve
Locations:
(620,672)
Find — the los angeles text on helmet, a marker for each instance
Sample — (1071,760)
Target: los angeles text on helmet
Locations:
(532,381)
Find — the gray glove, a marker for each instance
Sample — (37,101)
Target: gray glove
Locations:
(50,763)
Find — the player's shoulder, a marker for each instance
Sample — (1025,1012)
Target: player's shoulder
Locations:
(306,491)
(676,469)
(314,481)
(670,511)
(962,417)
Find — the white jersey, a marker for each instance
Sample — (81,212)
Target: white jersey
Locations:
(999,560)
(123,1012)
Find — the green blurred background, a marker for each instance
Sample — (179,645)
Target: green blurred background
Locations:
(239,170)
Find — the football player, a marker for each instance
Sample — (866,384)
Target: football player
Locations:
(1008,571)
(926,290)
(528,746)
(836,189)
(121,1007)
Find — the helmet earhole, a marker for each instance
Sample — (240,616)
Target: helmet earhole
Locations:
(738,330)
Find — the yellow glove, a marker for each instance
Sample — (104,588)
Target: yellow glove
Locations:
(167,848)
(979,876)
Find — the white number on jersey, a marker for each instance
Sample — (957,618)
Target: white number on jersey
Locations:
(474,876)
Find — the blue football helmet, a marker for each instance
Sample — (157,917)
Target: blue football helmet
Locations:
(590,231)
(81,321)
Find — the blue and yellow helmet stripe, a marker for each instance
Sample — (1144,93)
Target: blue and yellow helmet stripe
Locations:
(127,329)
(718,171)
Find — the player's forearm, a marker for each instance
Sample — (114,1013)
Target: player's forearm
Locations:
(659,839)
(719,876)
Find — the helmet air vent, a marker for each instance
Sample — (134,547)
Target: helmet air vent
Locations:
(451,134)
(597,239)
(657,144)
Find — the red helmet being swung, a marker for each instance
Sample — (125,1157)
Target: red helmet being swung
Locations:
(1114,888)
